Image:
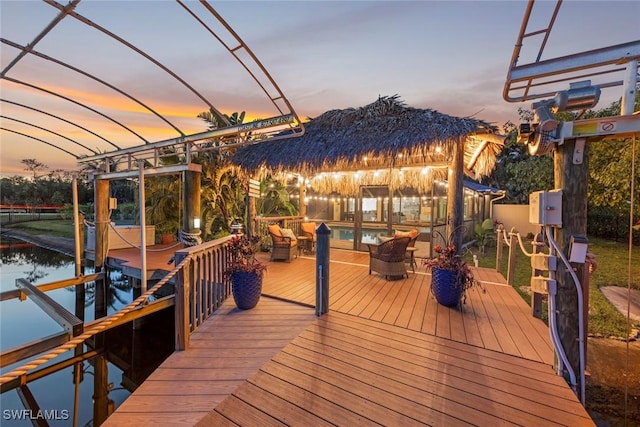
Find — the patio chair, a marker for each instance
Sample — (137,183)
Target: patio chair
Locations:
(388,258)
(284,245)
(308,230)
(409,257)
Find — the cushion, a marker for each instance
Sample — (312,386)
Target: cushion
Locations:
(287,232)
(275,229)
(309,227)
(411,233)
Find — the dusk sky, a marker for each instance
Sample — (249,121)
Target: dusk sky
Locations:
(451,56)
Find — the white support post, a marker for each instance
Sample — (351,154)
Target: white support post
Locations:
(629,95)
(143,230)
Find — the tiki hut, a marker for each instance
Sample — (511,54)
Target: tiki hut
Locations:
(385,143)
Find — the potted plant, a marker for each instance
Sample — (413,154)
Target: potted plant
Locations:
(451,275)
(245,271)
(167,230)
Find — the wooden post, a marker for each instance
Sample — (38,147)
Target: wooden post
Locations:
(101,199)
(572,178)
(513,248)
(302,195)
(100,389)
(455,202)
(181,313)
(499,247)
(191,200)
(252,226)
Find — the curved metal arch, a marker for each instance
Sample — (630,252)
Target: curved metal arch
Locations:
(64,11)
(265,129)
(139,52)
(66,98)
(41,140)
(50,131)
(242,45)
(523,79)
(62,119)
(91,76)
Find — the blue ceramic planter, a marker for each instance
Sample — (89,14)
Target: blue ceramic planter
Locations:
(246,288)
(442,286)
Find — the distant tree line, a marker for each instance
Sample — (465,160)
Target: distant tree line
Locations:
(54,188)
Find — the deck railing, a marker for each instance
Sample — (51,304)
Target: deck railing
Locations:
(261,224)
(200,286)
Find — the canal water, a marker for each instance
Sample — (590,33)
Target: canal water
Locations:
(84,393)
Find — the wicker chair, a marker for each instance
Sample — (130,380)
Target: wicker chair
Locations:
(308,229)
(409,257)
(388,258)
(282,247)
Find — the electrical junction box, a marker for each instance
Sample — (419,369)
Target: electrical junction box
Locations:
(545,208)
(543,285)
(544,262)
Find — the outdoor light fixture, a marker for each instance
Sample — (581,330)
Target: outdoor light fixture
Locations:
(544,116)
(196,222)
(578,249)
(580,96)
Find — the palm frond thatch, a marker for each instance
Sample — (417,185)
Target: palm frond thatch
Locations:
(381,136)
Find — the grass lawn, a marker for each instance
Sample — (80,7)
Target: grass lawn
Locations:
(613,268)
(54,227)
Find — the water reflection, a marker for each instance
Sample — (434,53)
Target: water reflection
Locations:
(117,294)
(39,262)
(84,385)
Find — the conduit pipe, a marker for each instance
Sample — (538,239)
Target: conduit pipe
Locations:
(578,286)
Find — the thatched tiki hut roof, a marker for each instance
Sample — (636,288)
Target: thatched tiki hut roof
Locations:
(383,135)
(383,143)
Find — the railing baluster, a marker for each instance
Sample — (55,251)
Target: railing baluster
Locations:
(201,287)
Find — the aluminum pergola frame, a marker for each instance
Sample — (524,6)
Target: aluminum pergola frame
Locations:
(286,124)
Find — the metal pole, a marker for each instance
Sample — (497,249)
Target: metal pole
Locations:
(143,229)
(629,95)
(322,269)
(76,227)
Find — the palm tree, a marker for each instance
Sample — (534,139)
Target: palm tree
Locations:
(222,195)
(163,204)
(274,200)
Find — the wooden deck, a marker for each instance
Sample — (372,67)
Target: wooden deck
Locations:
(385,354)
(494,317)
(129,260)
(223,352)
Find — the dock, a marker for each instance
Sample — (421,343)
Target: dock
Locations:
(385,354)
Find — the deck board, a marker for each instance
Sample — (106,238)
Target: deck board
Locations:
(386,353)
(223,353)
(490,318)
(382,374)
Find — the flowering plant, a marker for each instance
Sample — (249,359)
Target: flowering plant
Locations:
(242,250)
(447,258)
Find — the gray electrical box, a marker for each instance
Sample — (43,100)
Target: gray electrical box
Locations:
(544,262)
(545,208)
(543,285)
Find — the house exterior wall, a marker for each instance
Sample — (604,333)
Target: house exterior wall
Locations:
(514,216)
